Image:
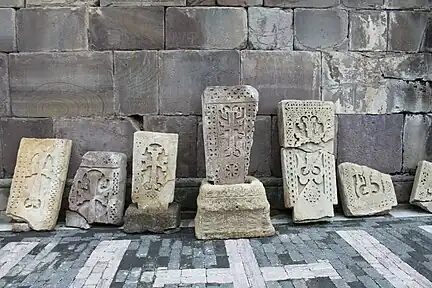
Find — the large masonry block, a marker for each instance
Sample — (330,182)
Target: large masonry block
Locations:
(201,2)
(7,30)
(240,2)
(59,3)
(320,29)
(407,66)
(301,3)
(270,28)
(4,86)
(12,3)
(142,2)
(185,74)
(126,28)
(260,156)
(52,29)
(136,80)
(403,4)
(410,31)
(186,128)
(271,73)
(371,140)
(363,3)
(417,141)
(73,84)
(206,28)
(368,30)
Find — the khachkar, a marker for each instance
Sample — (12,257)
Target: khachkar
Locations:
(38,182)
(307,135)
(230,203)
(365,191)
(421,194)
(153,182)
(97,194)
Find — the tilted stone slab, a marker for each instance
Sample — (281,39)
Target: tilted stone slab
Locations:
(307,125)
(229,114)
(309,181)
(38,181)
(365,191)
(421,194)
(98,189)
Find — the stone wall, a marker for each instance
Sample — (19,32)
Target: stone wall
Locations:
(95,72)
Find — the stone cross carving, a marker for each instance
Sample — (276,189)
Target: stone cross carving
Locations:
(228,125)
(155,160)
(421,194)
(38,181)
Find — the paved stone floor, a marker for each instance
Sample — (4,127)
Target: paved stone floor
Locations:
(369,252)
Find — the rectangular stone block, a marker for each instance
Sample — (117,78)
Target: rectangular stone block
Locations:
(406,4)
(410,31)
(307,125)
(417,140)
(185,75)
(136,79)
(407,66)
(68,33)
(260,155)
(7,30)
(115,28)
(276,169)
(38,183)
(13,129)
(279,82)
(302,3)
(200,2)
(421,193)
(363,3)
(153,170)
(371,140)
(12,3)
(4,86)
(270,28)
(206,28)
(368,30)
(60,3)
(242,3)
(142,2)
(186,128)
(229,115)
(76,84)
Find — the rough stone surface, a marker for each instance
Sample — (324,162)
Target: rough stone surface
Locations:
(363,3)
(260,156)
(201,2)
(279,82)
(12,3)
(186,128)
(115,28)
(320,29)
(154,168)
(76,84)
(99,188)
(57,3)
(368,30)
(301,3)
(233,211)
(54,29)
(407,66)
(206,28)
(38,183)
(276,168)
(243,3)
(7,30)
(421,194)
(399,4)
(229,115)
(185,75)
(142,2)
(309,180)
(374,141)
(136,81)
(20,227)
(74,219)
(307,125)
(408,31)
(158,221)
(4,195)
(403,185)
(365,191)
(417,140)
(4,86)
(270,28)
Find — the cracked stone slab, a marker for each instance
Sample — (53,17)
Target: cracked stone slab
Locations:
(421,194)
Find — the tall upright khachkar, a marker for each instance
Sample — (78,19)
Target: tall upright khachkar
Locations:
(421,194)
(153,182)
(230,203)
(307,135)
(38,181)
(98,191)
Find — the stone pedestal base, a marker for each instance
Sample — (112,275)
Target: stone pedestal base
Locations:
(233,211)
(138,221)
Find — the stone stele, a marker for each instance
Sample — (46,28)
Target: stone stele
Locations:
(38,181)
(309,181)
(229,114)
(233,211)
(421,194)
(98,190)
(365,191)
(307,125)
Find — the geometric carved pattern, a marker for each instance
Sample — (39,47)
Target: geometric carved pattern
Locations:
(38,181)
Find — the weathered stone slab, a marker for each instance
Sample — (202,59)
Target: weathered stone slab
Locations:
(368,30)
(363,3)
(12,3)
(99,188)
(154,167)
(416,66)
(206,28)
(417,140)
(233,211)
(403,4)
(307,125)
(20,227)
(4,86)
(142,2)
(242,3)
(74,219)
(421,194)
(309,180)
(270,28)
(201,2)
(260,156)
(68,34)
(229,115)
(60,3)
(38,182)
(7,30)
(157,221)
(365,191)
(302,3)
